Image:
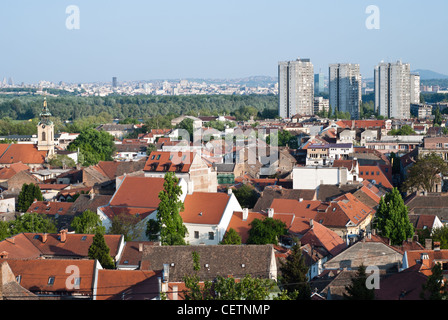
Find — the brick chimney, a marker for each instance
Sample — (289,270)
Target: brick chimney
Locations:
(270,212)
(428,244)
(63,235)
(436,246)
(140,247)
(44,237)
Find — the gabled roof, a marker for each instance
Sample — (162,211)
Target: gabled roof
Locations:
(432,256)
(168,161)
(35,275)
(137,196)
(320,236)
(214,260)
(31,245)
(127,285)
(344,210)
(113,169)
(204,207)
(50,207)
(367,254)
(25,153)
(8,172)
(9,288)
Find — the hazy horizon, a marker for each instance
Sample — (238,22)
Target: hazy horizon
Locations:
(145,40)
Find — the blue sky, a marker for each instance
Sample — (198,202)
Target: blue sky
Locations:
(173,39)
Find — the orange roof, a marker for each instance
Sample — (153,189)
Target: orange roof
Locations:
(25,153)
(50,207)
(127,284)
(35,274)
(375,173)
(344,209)
(304,209)
(140,192)
(415,257)
(137,196)
(321,236)
(8,172)
(164,161)
(204,207)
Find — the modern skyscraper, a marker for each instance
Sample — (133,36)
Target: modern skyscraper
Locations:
(319,86)
(393,90)
(345,88)
(114,82)
(415,88)
(296,87)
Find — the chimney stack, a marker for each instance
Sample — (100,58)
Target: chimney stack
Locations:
(63,235)
(436,246)
(44,238)
(311,223)
(428,244)
(140,247)
(270,212)
(245,213)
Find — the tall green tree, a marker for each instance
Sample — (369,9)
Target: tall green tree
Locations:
(88,223)
(440,235)
(357,289)
(100,251)
(266,231)
(392,220)
(32,222)
(27,195)
(425,173)
(94,145)
(169,221)
(231,237)
(435,287)
(127,225)
(294,274)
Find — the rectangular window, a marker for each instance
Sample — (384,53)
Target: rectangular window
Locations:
(211,236)
(196,234)
(50,281)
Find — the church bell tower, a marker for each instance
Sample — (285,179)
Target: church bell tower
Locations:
(45,131)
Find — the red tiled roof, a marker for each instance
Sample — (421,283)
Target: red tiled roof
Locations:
(31,245)
(378,175)
(50,207)
(304,209)
(320,236)
(135,196)
(8,172)
(25,153)
(204,207)
(415,257)
(127,284)
(167,161)
(35,274)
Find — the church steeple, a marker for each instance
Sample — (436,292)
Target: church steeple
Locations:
(45,114)
(45,131)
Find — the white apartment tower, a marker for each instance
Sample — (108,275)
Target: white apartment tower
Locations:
(393,90)
(415,88)
(296,87)
(345,88)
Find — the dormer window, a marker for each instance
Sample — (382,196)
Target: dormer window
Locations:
(50,281)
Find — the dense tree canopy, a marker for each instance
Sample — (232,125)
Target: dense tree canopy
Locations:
(27,195)
(94,146)
(392,220)
(266,231)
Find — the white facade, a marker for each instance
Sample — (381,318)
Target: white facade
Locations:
(309,178)
(415,88)
(393,90)
(345,88)
(212,234)
(296,88)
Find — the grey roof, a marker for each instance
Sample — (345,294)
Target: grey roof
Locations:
(368,254)
(224,167)
(215,260)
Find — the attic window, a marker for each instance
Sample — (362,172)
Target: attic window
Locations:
(18,278)
(83,238)
(50,281)
(171,157)
(152,158)
(308,206)
(126,262)
(36,236)
(60,210)
(158,157)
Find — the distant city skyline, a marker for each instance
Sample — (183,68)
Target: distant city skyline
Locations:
(207,39)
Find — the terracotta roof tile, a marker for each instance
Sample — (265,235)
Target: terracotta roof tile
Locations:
(167,161)
(204,207)
(25,153)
